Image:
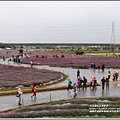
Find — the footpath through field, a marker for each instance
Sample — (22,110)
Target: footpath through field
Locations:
(9,102)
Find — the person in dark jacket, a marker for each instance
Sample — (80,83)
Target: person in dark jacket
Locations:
(103,83)
(107,83)
(84,82)
(103,67)
(75,90)
(78,73)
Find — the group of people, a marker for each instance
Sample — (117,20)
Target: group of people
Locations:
(105,81)
(74,90)
(81,83)
(20,92)
(15,59)
(102,67)
(93,83)
(77,85)
(115,75)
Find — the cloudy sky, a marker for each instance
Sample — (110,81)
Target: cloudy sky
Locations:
(59,21)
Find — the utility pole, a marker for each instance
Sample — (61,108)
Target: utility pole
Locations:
(112,44)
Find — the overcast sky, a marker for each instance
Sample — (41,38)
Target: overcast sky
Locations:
(59,21)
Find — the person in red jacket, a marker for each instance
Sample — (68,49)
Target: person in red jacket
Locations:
(34,91)
(98,68)
(94,83)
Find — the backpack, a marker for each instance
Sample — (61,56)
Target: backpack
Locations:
(70,82)
(17,94)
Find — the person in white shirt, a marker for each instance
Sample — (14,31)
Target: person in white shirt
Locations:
(20,95)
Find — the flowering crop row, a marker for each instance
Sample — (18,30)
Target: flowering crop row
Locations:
(8,53)
(69,60)
(83,62)
(13,76)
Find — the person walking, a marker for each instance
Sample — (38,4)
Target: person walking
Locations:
(33,88)
(78,73)
(98,68)
(103,67)
(94,83)
(103,83)
(34,91)
(107,84)
(78,84)
(91,82)
(20,95)
(69,84)
(114,74)
(31,63)
(74,89)
(3,58)
(84,82)
(109,74)
(91,65)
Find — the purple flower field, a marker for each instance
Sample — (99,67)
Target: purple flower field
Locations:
(82,62)
(8,53)
(69,60)
(13,76)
